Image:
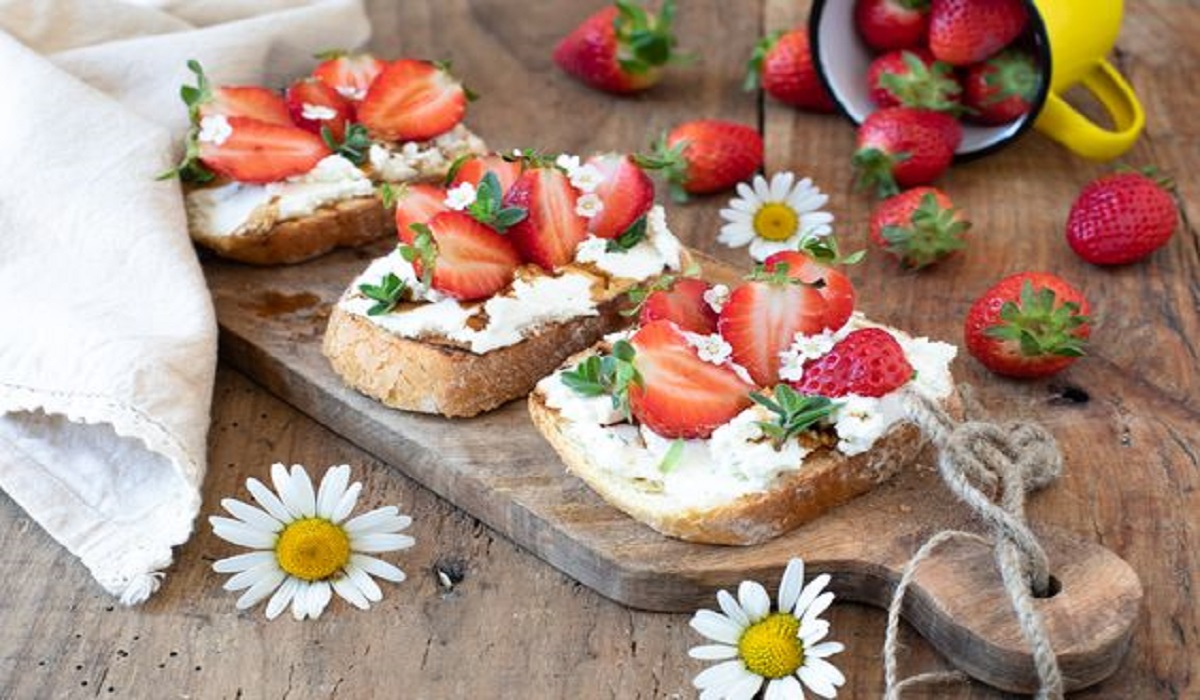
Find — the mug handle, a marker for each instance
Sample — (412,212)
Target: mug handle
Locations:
(1063,123)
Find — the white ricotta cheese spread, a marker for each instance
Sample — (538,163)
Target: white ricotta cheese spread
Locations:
(423,160)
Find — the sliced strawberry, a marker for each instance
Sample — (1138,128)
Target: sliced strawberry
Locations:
(832,284)
(762,318)
(552,231)
(473,261)
(682,304)
(314,104)
(412,101)
(247,101)
(417,204)
(626,191)
(350,75)
(682,396)
(255,151)
(867,362)
(474,168)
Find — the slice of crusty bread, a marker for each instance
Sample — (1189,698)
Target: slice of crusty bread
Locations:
(344,224)
(827,480)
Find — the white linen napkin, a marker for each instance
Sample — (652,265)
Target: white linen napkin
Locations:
(107,332)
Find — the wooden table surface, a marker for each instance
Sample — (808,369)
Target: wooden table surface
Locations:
(513,626)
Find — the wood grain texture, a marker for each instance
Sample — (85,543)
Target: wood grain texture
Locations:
(520,628)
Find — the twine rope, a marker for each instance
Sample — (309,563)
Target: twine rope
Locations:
(972,456)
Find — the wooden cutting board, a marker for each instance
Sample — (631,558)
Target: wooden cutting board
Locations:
(498,468)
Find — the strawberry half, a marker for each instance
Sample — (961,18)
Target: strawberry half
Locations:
(412,101)
(683,304)
(620,49)
(762,318)
(349,74)
(919,227)
(417,204)
(867,362)
(680,395)
(904,147)
(473,168)
(314,105)
(255,151)
(833,286)
(249,102)
(471,261)
(551,231)
(626,191)
(705,156)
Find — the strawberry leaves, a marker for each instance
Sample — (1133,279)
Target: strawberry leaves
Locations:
(353,147)
(794,412)
(390,291)
(488,207)
(1040,325)
(611,375)
(633,235)
(422,251)
(645,40)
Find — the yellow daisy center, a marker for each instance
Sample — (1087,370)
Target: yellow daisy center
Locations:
(312,549)
(776,221)
(770,647)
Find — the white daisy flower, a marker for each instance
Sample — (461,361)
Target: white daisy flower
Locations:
(317,113)
(716,297)
(567,162)
(460,196)
(804,348)
(589,205)
(775,216)
(214,129)
(710,348)
(586,178)
(305,549)
(754,645)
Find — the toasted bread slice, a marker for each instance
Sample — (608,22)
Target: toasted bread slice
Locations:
(825,479)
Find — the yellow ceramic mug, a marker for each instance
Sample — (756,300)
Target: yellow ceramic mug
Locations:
(1070,38)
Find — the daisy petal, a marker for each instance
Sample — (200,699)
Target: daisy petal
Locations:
(254,517)
(319,595)
(791,585)
(762,189)
(746,194)
(817,682)
(730,607)
(745,688)
(333,486)
(239,533)
(268,500)
(786,688)
(810,592)
(380,542)
(282,597)
(300,600)
(744,205)
(737,216)
(713,652)
(761,248)
(364,583)
(735,235)
(827,671)
(716,626)
(781,185)
(385,519)
(251,576)
(824,650)
(303,493)
(350,593)
(754,600)
(724,673)
(813,632)
(820,605)
(347,503)
(265,585)
(242,562)
(377,567)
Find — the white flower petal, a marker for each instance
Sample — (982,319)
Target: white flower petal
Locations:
(820,605)
(300,600)
(716,626)
(350,593)
(786,688)
(251,576)
(333,487)
(384,519)
(265,585)
(791,584)
(781,185)
(813,632)
(810,593)
(816,218)
(239,533)
(816,680)
(377,567)
(761,248)
(268,500)
(737,216)
(254,517)
(754,600)
(346,505)
(762,188)
(746,194)
(302,491)
(283,596)
(713,652)
(735,235)
(823,650)
(827,670)
(732,610)
(745,688)
(364,583)
(724,673)
(242,562)
(371,542)
(319,595)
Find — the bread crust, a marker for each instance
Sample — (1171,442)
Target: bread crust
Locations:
(344,224)
(827,480)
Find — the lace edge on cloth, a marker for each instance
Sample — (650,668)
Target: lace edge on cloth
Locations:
(130,567)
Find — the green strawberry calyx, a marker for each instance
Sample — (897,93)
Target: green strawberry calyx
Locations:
(1040,324)
(644,40)
(875,167)
(933,232)
(753,79)
(924,86)
(1013,74)
(671,160)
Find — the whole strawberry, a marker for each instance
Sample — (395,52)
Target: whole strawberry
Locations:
(888,25)
(913,79)
(1120,218)
(1001,89)
(867,362)
(1031,324)
(919,227)
(904,147)
(782,65)
(705,156)
(620,49)
(962,32)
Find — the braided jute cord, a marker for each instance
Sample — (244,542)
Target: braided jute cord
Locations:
(1016,458)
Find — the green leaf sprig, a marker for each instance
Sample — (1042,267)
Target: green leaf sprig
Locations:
(672,457)
(390,291)
(636,233)
(824,249)
(488,207)
(354,146)
(190,169)
(611,375)
(794,412)
(422,249)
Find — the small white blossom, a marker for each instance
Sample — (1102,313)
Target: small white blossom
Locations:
(567,162)
(586,178)
(588,206)
(352,93)
(716,297)
(710,348)
(214,129)
(317,113)
(461,196)
(804,348)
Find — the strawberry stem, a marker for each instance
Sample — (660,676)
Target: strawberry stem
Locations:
(924,86)
(1040,325)
(933,233)
(875,169)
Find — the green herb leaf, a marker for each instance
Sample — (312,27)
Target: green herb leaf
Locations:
(610,374)
(672,457)
(190,168)
(794,412)
(633,235)
(387,195)
(390,291)
(423,250)
(354,146)
(488,207)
